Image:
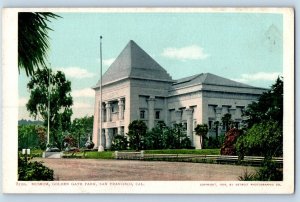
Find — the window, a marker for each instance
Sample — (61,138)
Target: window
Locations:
(157,114)
(209,124)
(185,126)
(142,114)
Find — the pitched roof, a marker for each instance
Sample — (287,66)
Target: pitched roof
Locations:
(208,78)
(134,62)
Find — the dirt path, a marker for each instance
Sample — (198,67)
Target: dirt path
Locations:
(110,170)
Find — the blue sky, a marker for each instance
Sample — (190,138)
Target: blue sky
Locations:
(245,47)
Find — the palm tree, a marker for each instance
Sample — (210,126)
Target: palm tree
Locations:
(201,130)
(33,40)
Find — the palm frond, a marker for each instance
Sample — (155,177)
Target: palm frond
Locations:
(33,40)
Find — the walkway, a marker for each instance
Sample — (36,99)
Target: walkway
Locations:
(110,170)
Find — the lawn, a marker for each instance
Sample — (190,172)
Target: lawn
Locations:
(110,154)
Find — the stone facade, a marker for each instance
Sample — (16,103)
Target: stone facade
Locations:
(135,87)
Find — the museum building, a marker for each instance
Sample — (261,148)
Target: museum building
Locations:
(136,87)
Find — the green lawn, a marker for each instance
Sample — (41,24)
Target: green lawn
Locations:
(110,154)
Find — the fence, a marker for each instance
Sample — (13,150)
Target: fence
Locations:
(221,159)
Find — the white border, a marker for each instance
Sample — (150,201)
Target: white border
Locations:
(10,115)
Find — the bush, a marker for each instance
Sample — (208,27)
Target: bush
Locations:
(119,143)
(33,171)
(268,172)
(263,139)
(186,143)
(214,142)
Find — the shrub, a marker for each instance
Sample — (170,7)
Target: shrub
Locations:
(186,143)
(119,143)
(33,171)
(268,172)
(263,139)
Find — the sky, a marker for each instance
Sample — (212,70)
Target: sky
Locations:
(245,47)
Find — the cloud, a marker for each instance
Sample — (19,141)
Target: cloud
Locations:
(192,52)
(259,76)
(23,101)
(76,72)
(86,92)
(81,105)
(107,62)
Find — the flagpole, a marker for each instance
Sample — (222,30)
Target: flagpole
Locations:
(100,138)
(48,127)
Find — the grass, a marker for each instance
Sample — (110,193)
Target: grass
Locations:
(110,154)
(35,152)
(99,155)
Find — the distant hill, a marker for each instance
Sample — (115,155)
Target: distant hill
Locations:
(29,122)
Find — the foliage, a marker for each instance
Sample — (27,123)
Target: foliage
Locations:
(33,40)
(247,176)
(268,172)
(263,139)
(185,143)
(60,101)
(163,137)
(33,170)
(214,142)
(178,137)
(81,129)
(201,130)
(31,137)
(119,143)
(154,139)
(136,133)
(226,119)
(268,107)
(69,141)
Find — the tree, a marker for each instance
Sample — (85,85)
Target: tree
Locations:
(201,130)
(31,137)
(33,40)
(60,101)
(136,132)
(82,129)
(268,107)
(262,139)
(227,121)
(264,134)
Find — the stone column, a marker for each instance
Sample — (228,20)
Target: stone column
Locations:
(119,130)
(151,102)
(178,116)
(103,114)
(121,109)
(108,112)
(189,130)
(108,136)
(232,112)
